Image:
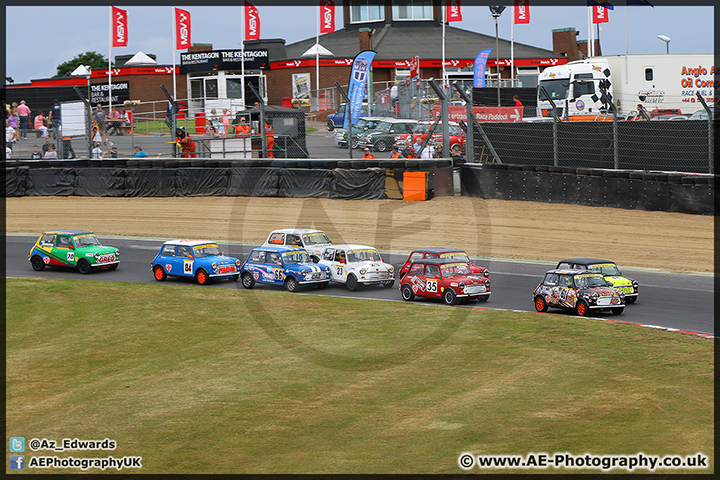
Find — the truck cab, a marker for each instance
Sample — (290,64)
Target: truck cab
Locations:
(576,88)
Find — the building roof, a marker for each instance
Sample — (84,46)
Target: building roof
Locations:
(404,42)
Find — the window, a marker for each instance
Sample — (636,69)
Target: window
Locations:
(257,256)
(293,240)
(47,241)
(416,256)
(274,258)
(234,88)
(184,251)
(584,84)
(551,279)
(168,251)
(63,242)
(527,76)
(367,11)
(412,10)
(416,269)
(276,238)
(328,255)
(433,270)
(649,74)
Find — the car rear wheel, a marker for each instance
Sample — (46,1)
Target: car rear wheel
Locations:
(540,304)
(291,284)
(83,266)
(407,293)
(449,297)
(617,310)
(381,146)
(330,126)
(37,263)
(630,300)
(351,282)
(582,308)
(201,277)
(388,284)
(159,273)
(247,280)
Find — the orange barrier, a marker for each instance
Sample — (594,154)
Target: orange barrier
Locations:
(415,186)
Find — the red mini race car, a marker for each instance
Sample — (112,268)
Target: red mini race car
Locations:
(443,253)
(448,279)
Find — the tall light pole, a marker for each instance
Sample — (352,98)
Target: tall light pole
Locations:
(665,39)
(496,11)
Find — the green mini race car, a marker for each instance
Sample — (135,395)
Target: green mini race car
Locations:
(608,270)
(72,248)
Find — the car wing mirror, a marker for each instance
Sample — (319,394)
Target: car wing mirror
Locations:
(71,247)
(189,256)
(437,276)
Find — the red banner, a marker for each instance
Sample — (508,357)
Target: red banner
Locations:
(482,114)
(119,27)
(454,11)
(600,14)
(182,29)
(252,22)
(522,11)
(415,66)
(327,16)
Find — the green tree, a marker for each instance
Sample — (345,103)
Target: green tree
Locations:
(92,59)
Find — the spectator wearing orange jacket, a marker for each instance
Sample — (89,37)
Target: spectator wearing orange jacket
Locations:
(368,155)
(186,143)
(242,129)
(270,140)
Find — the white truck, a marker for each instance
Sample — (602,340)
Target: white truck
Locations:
(583,89)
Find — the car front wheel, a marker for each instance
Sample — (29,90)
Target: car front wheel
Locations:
(351,282)
(83,266)
(381,146)
(291,284)
(540,304)
(449,297)
(201,277)
(407,293)
(37,263)
(247,280)
(617,310)
(582,308)
(388,284)
(630,300)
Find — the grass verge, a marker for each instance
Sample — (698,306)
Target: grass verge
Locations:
(208,380)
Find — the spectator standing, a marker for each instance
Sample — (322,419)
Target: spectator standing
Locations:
(113,152)
(46,146)
(368,155)
(51,153)
(270,140)
(115,122)
(99,116)
(518,103)
(642,113)
(24,114)
(242,128)
(97,152)
(139,152)
(55,118)
(185,142)
(395,152)
(35,155)
(128,120)
(39,124)
(95,133)
(14,122)
(11,135)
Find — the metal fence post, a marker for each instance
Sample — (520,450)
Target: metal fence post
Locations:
(469,140)
(711,128)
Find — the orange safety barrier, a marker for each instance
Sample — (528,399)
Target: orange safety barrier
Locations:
(415,186)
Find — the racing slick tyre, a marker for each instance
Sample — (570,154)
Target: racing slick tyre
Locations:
(617,310)
(291,284)
(381,146)
(540,304)
(83,266)
(449,297)
(37,263)
(582,308)
(407,293)
(351,282)
(330,126)
(159,273)
(630,300)
(388,284)
(201,277)
(483,299)
(247,280)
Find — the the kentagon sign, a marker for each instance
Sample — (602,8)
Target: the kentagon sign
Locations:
(223,60)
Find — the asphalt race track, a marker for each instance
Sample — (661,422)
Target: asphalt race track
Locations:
(678,301)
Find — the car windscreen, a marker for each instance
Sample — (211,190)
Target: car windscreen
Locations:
(207,250)
(383,127)
(365,255)
(462,256)
(557,89)
(86,240)
(455,269)
(315,238)
(299,256)
(591,280)
(605,269)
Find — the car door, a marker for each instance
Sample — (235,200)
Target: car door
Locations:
(433,281)
(336,269)
(566,291)
(65,250)
(168,259)
(274,265)
(184,261)
(339,266)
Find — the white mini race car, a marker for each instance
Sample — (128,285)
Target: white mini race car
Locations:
(357,264)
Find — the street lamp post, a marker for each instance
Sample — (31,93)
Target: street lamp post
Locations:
(496,11)
(665,39)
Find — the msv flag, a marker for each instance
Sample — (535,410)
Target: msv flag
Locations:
(359,77)
(479,68)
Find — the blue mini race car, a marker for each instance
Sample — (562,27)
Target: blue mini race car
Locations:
(198,259)
(289,266)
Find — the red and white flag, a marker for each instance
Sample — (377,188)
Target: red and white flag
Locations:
(414,66)
(327,16)
(119,27)
(454,11)
(182,29)
(252,22)
(600,14)
(522,11)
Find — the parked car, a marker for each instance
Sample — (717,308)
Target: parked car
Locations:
(364,124)
(609,270)
(314,241)
(289,266)
(579,290)
(356,265)
(382,137)
(201,260)
(421,130)
(703,115)
(443,253)
(337,119)
(79,249)
(448,279)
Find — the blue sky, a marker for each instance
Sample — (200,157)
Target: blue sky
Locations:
(86,28)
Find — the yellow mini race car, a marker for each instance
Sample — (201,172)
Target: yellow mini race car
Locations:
(609,270)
